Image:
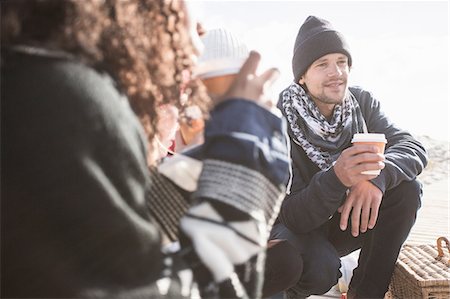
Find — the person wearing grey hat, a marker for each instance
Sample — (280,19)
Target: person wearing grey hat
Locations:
(332,207)
(315,39)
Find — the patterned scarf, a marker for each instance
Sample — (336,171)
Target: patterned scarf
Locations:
(322,140)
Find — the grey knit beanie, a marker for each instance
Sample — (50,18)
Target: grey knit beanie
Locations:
(315,39)
(223,54)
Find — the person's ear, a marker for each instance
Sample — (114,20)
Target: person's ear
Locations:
(302,80)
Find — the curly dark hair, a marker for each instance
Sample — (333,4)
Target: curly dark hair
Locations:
(144,45)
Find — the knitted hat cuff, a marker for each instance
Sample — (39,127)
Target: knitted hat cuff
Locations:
(219,67)
(315,47)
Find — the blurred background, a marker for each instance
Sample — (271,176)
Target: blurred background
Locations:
(399,49)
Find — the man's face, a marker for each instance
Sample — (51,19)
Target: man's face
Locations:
(326,79)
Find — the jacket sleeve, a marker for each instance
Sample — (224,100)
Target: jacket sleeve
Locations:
(405,155)
(245,161)
(308,205)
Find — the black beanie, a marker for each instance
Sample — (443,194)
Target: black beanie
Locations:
(315,39)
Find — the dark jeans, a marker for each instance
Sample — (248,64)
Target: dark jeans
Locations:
(312,259)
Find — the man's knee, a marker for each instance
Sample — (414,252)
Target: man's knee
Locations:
(319,259)
(283,268)
(407,196)
(321,272)
(413,189)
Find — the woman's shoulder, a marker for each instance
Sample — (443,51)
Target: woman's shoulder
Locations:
(61,90)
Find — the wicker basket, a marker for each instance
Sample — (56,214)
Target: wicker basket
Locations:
(422,271)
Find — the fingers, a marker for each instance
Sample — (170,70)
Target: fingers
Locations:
(374,215)
(356,217)
(250,66)
(269,77)
(365,214)
(247,85)
(361,155)
(355,207)
(266,80)
(362,203)
(362,148)
(346,209)
(355,160)
(351,206)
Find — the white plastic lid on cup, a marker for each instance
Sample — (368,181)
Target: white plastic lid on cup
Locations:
(369,137)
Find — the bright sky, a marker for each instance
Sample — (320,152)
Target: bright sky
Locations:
(399,48)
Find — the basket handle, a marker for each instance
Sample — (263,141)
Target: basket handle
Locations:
(440,250)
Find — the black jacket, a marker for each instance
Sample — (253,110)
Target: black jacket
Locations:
(314,195)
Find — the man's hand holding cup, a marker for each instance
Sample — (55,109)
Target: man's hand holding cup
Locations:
(363,161)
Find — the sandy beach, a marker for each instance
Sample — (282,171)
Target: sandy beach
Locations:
(433,217)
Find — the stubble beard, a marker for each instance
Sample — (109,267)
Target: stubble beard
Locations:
(324,99)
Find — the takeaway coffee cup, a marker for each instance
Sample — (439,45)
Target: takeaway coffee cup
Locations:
(374,139)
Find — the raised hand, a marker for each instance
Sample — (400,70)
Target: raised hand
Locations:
(239,191)
(248,85)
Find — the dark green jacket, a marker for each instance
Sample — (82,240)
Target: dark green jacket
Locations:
(73,215)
